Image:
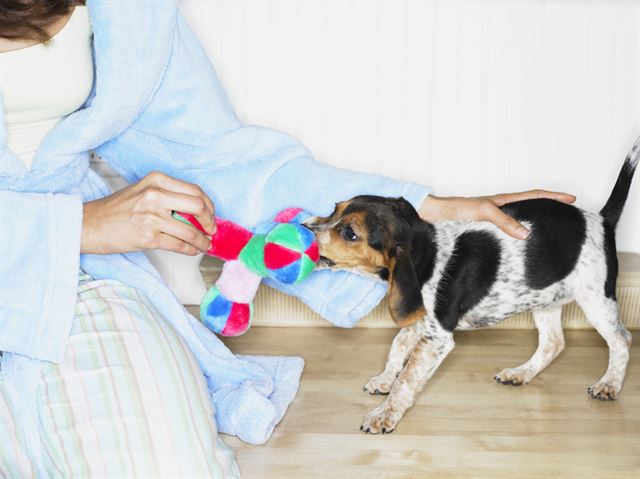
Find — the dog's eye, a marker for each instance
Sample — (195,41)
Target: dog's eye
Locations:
(348,233)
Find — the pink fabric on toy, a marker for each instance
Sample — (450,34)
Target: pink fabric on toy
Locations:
(275,256)
(229,240)
(238,320)
(237,283)
(313,252)
(287,215)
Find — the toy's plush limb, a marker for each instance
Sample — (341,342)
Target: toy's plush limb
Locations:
(227,308)
(228,240)
(223,316)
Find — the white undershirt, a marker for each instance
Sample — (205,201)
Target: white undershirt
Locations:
(43,83)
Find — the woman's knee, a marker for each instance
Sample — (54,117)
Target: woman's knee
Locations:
(129,396)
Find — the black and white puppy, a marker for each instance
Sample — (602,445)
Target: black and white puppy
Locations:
(458,276)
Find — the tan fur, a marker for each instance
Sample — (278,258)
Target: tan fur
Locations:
(348,254)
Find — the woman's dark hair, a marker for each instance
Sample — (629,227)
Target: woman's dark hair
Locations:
(29,19)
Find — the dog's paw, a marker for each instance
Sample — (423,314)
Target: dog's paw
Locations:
(513,377)
(603,391)
(380,384)
(381,420)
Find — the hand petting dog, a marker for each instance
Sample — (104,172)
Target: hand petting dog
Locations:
(485,208)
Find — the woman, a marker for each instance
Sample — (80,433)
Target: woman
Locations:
(103,371)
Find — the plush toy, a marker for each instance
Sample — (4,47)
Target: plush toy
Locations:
(282,249)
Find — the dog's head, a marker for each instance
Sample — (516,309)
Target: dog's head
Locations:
(376,235)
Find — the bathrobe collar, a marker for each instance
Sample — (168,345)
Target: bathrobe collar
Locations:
(129,58)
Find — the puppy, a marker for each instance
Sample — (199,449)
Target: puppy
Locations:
(459,276)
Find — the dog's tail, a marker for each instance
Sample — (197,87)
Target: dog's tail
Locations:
(613,207)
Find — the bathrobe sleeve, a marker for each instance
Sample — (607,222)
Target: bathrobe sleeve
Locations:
(190,131)
(40,256)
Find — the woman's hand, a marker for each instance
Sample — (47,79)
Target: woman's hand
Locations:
(485,208)
(138,217)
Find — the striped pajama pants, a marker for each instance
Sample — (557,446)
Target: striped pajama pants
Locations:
(128,400)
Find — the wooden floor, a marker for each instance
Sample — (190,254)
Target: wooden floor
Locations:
(463,424)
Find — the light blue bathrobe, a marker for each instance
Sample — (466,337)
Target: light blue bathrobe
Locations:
(157,104)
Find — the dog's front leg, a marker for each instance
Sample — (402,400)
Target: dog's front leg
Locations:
(404,342)
(429,352)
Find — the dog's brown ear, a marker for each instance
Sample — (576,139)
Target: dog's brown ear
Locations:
(405,299)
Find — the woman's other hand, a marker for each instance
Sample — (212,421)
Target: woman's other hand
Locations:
(485,208)
(138,217)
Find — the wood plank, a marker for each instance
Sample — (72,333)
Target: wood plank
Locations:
(463,423)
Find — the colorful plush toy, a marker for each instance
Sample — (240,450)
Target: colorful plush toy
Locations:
(282,249)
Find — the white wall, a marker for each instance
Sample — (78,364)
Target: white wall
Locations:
(470,97)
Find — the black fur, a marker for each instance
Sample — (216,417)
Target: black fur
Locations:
(468,277)
(415,267)
(406,282)
(384,274)
(612,209)
(557,234)
(611,212)
(423,250)
(612,260)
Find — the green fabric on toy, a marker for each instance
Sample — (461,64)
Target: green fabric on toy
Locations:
(282,249)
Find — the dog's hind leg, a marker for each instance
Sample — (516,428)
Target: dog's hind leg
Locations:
(402,345)
(550,344)
(603,314)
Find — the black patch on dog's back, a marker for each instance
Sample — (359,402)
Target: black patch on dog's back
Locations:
(468,276)
(557,234)
(612,260)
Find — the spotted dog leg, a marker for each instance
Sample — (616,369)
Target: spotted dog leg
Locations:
(603,314)
(402,345)
(550,344)
(425,358)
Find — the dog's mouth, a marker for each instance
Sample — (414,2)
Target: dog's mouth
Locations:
(325,262)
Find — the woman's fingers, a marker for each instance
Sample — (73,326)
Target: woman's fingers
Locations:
(509,225)
(503,221)
(206,215)
(171,243)
(504,198)
(139,217)
(164,202)
(185,233)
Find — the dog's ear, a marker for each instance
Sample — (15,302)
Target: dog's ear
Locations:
(405,299)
